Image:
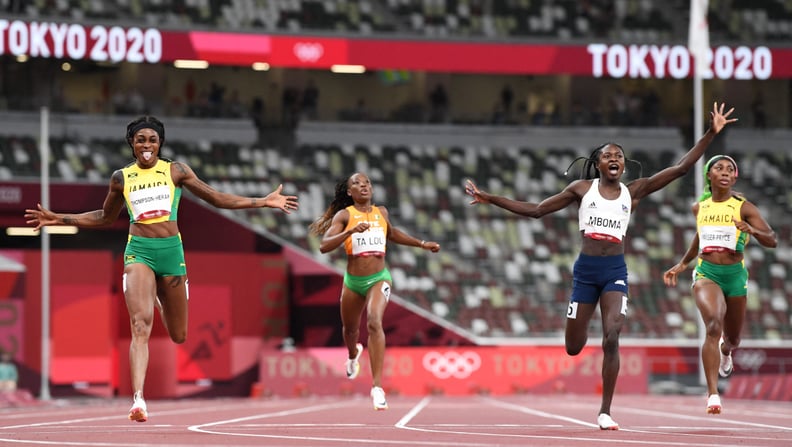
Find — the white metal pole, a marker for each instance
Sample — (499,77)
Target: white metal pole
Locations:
(698,131)
(699,46)
(45,259)
(698,126)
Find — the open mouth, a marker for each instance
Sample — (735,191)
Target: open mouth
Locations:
(147,155)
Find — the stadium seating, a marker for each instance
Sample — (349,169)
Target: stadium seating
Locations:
(498,274)
(627,20)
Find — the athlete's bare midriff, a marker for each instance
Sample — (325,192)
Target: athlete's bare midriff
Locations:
(365,265)
(155,230)
(722,257)
(594,247)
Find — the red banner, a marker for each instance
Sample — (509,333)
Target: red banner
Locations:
(150,45)
(80,350)
(452,371)
(12,318)
(207,351)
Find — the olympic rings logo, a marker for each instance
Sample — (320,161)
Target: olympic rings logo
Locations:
(451,364)
(750,358)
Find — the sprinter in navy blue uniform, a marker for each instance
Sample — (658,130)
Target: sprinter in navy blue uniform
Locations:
(600,272)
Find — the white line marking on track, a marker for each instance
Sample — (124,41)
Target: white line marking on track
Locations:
(120,416)
(104,444)
(199,428)
(413,412)
(543,414)
(459,435)
(717,419)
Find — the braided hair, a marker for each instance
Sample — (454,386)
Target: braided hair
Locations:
(341,200)
(589,169)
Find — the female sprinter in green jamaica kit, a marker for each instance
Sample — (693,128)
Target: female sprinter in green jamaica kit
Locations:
(155,274)
(725,221)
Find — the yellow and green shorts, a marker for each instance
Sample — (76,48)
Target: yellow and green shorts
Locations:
(732,278)
(165,256)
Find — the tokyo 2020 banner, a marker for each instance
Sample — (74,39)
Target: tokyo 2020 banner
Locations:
(453,371)
(115,44)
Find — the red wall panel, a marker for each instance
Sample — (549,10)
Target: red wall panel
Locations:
(453,371)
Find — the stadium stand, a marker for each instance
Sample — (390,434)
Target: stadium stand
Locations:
(626,20)
(498,275)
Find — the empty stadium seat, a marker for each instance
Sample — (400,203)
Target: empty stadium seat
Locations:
(498,274)
(627,20)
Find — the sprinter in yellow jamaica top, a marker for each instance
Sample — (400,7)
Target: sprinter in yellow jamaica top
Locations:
(155,274)
(725,221)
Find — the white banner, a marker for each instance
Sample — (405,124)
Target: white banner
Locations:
(698,34)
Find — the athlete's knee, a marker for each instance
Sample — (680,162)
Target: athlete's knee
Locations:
(178,337)
(351,335)
(374,322)
(713,327)
(732,342)
(350,325)
(610,342)
(140,335)
(574,349)
(141,325)
(575,345)
(177,333)
(374,325)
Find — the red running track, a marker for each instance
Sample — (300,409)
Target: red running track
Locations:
(476,421)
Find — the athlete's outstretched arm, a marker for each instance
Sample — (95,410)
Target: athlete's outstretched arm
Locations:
(400,237)
(184,176)
(642,187)
(571,194)
(113,204)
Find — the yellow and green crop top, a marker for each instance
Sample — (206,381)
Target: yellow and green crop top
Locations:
(715,226)
(150,194)
(370,242)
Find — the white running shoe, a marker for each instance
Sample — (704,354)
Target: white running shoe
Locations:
(378,397)
(605,422)
(726,365)
(714,404)
(138,412)
(353,365)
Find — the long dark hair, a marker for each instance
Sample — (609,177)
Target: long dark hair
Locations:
(589,169)
(341,200)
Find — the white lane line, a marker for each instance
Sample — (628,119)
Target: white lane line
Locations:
(544,414)
(311,409)
(203,407)
(201,428)
(402,423)
(717,419)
